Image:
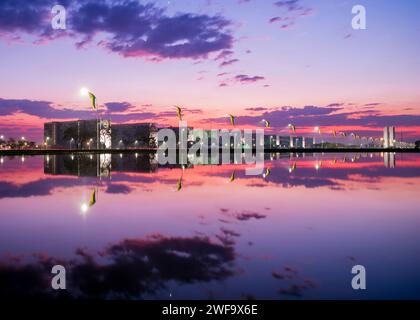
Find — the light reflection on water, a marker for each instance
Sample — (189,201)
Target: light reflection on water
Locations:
(210,231)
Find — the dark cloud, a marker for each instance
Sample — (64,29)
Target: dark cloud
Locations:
(225,54)
(290,5)
(332,115)
(118,189)
(228,62)
(46,109)
(133,268)
(373,104)
(26,16)
(118,106)
(243,78)
(129,28)
(292,10)
(256,109)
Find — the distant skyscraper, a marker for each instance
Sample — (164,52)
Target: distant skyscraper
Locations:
(389,137)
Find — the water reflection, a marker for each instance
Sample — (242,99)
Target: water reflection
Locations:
(210,231)
(101,165)
(128,269)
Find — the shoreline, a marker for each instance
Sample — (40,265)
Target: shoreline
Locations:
(153,150)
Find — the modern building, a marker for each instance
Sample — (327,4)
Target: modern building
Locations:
(308,142)
(284,141)
(270,141)
(80,134)
(136,135)
(298,142)
(98,134)
(389,137)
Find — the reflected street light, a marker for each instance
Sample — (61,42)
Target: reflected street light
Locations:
(84,208)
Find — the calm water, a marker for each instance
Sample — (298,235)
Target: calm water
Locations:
(211,231)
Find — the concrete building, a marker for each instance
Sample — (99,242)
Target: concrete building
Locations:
(98,134)
(308,142)
(284,141)
(298,142)
(270,141)
(389,137)
(80,134)
(136,135)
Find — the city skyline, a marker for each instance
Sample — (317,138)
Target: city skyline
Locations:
(286,61)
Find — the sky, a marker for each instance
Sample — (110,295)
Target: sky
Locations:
(290,61)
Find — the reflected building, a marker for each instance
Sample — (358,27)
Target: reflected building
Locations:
(389,160)
(99,165)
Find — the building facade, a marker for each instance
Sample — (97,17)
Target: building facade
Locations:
(389,137)
(98,134)
(80,134)
(131,136)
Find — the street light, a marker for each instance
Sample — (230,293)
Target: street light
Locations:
(84,91)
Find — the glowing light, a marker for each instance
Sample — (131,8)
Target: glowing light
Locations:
(22,138)
(84,208)
(1,160)
(84,91)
